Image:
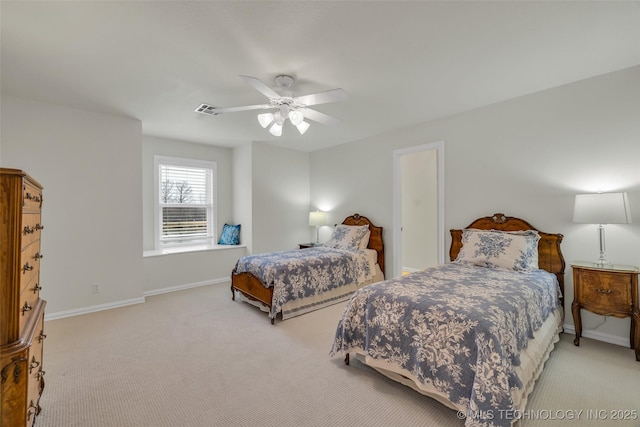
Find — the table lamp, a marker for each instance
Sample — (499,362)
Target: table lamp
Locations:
(602,208)
(317,219)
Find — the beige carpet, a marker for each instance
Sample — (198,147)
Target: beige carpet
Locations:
(196,358)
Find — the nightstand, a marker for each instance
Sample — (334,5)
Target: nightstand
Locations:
(307,245)
(609,290)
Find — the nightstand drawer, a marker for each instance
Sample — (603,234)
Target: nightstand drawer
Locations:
(603,292)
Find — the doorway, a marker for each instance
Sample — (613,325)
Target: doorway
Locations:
(418,232)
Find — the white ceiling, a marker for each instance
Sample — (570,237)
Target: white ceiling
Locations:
(401,63)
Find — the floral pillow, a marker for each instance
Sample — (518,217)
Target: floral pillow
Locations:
(509,250)
(348,236)
(230,235)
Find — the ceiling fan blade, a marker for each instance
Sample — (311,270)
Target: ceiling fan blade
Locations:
(261,87)
(245,108)
(319,117)
(332,95)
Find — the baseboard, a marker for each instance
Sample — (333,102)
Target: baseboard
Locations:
(599,336)
(92,309)
(184,287)
(124,303)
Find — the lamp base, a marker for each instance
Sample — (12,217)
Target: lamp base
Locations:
(602,262)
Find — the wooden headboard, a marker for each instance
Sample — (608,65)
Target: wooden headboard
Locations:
(549,253)
(375,241)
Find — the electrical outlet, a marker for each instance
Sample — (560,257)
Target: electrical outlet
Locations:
(95,289)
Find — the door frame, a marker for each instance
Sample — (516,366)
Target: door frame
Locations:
(397,200)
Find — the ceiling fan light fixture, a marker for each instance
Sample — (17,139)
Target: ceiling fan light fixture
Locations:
(296,117)
(284,105)
(302,127)
(276,129)
(265,119)
(279,118)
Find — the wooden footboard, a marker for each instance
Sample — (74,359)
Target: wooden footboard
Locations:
(251,287)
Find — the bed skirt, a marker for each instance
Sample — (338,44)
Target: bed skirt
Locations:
(301,306)
(532,363)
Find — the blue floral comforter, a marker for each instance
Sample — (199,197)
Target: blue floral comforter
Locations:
(301,273)
(456,327)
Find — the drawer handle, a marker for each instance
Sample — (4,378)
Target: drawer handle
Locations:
(37,288)
(26,268)
(38,256)
(29,196)
(40,374)
(34,364)
(33,410)
(26,307)
(39,227)
(28,230)
(603,291)
(42,336)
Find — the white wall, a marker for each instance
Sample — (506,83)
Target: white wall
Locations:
(526,157)
(243,193)
(90,167)
(280,198)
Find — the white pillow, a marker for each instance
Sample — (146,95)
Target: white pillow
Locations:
(347,236)
(509,250)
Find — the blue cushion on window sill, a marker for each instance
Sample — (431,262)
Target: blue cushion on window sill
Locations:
(230,235)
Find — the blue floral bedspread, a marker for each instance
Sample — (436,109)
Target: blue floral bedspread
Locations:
(301,273)
(456,327)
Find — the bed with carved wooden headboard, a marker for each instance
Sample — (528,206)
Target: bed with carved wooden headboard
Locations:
(302,280)
(472,334)
(550,256)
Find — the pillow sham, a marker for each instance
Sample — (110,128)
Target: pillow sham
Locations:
(365,239)
(348,236)
(509,250)
(230,235)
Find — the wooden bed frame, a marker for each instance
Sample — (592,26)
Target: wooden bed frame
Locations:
(252,288)
(549,254)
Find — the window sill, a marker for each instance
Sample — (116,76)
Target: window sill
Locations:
(171,251)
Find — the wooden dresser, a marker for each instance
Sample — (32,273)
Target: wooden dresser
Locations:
(21,309)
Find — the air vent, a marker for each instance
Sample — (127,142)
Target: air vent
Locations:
(207,109)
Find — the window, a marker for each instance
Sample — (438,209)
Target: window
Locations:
(185,203)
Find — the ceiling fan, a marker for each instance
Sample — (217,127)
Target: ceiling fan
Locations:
(285,104)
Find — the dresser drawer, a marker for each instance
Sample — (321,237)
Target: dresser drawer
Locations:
(35,372)
(604,292)
(28,301)
(31,229)
(30,265)
(31,197)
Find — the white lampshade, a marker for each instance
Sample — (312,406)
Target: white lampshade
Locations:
(276,129)
(602,208)
(317,219)
(296,117)
(265,119)
(302,127)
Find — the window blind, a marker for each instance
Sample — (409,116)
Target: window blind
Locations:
(185,202)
